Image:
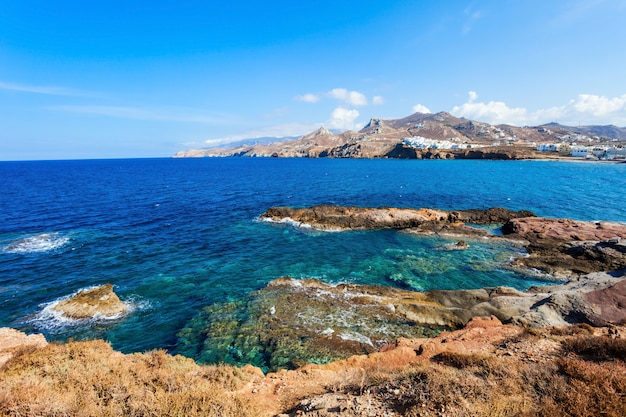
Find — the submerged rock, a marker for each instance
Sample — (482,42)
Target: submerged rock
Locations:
(99,301)
(460,245)
(293,322)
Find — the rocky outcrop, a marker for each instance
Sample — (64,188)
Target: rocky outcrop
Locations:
(563,246)
(95,302)
(13,341)
(293,322)
(594,299)
(336,217)
(358,218)
(534,229)
(402,151)
(556,246)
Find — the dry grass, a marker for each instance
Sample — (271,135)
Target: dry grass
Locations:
(466,384)
(90,379)
(577,329)
(597,347)
(586,378)
(498,387)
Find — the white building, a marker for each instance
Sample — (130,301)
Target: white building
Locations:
(547,147)
(616,153)
(420,142)
(580,151)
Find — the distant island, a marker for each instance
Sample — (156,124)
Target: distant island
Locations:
(439,136)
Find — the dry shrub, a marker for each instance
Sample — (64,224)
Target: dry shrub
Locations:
(463,360)
(481,385)
(433,389)
(589,389)
(90,379)
(583,329)
(597,347)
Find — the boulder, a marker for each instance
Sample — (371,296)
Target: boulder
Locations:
(95,302)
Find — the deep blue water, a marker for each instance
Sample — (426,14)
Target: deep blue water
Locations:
(175,235)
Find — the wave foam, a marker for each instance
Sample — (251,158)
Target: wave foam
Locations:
(300,225)
(54,321)
(43,242)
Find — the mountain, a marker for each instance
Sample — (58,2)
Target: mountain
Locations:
(455,138)
(609,131)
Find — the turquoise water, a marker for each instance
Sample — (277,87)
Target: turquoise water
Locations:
(176,235)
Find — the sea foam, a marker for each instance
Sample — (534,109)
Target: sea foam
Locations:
(54,321)
(43,242)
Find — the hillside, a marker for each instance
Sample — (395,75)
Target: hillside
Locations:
(384,139)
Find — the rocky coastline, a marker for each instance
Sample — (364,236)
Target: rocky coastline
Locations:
(365,339)
(560,247)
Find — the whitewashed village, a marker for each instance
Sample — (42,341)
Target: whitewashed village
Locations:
(574,145)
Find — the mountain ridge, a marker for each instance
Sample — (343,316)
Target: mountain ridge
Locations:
(385,138)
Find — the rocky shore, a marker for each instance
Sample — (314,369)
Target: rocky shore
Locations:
(358,350)
(559,247)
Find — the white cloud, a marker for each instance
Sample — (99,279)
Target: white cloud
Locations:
(494,112)
(308,98)
(590,109)
(599,105)
(342,118)
(420,108)
(587,109)
(378,100)
(353,98)
(166,115)
(49,90)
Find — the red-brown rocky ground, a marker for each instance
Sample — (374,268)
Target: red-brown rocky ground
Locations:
(485,369)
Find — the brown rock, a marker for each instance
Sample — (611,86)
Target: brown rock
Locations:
(609,305)
(326,217)
(99,301)
(483,322)
(563,230)
(563,246)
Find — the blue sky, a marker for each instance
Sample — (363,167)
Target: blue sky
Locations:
(111,79)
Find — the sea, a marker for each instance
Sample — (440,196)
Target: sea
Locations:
(174,236)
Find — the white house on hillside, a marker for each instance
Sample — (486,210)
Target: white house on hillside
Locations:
(548,147)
